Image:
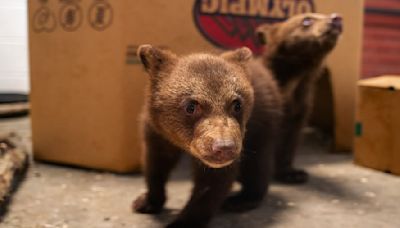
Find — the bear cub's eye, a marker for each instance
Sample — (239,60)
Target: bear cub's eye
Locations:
(237,106)
(191,107)
(307,21)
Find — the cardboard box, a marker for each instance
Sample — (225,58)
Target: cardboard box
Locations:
(85,97)
(377,141)
(87,84)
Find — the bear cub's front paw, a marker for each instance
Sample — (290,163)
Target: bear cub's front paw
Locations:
(142,204)
(240,203)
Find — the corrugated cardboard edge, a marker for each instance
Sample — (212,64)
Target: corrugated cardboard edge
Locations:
(391,82)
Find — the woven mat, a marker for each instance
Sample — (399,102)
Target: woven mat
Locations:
(14,110)
(13,105)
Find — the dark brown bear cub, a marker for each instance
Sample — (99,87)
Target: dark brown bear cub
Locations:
(202,104)
(296,50)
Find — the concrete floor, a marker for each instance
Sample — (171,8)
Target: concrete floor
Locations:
(339,194)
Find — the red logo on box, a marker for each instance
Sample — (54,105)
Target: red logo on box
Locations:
(231,23)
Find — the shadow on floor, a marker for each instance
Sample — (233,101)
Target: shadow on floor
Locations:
(267,214)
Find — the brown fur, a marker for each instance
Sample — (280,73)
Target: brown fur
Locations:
(214,133)
(296,52)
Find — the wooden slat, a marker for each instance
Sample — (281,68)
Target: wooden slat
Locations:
(381,47)
(389,4)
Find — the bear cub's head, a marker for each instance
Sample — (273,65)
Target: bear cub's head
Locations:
(309,35)
(200,102)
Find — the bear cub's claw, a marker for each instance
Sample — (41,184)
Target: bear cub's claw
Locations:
(293,176)
(240,203)
(143,205)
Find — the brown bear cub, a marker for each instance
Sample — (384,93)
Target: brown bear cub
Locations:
(296,50)
(203,104)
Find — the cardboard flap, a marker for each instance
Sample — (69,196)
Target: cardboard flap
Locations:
(390,82)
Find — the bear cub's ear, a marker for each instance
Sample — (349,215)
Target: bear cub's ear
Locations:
(264,32)
(154,59)
(240,55)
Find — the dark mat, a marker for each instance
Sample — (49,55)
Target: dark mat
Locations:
(8,98)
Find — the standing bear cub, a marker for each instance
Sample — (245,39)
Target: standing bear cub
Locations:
(221,111)
(296,52)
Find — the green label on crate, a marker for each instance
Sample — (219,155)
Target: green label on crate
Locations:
(358,129)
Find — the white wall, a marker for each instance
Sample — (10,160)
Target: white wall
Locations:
(13,46)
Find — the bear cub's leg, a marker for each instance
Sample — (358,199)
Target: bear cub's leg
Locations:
(255,174)
(211,186)
(160,159)
(285,154)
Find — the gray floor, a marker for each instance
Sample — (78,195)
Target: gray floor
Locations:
(339,194)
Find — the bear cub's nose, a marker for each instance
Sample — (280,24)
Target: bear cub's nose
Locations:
(336,22)
(223,146)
